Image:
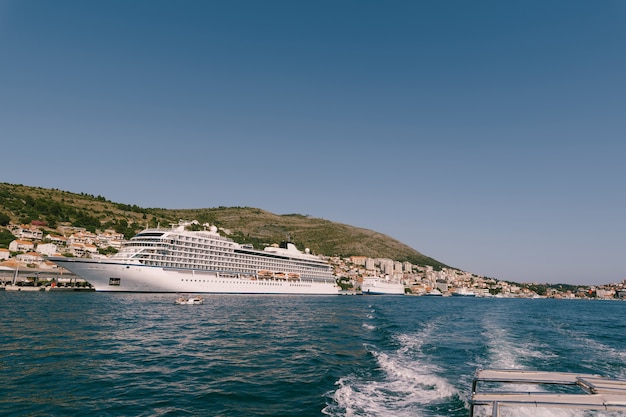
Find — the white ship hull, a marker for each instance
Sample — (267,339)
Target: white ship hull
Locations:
(463,292)
(106,275)
(381,286)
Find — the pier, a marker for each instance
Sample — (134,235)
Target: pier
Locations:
(41,280)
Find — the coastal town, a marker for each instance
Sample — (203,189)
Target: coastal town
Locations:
(26,263)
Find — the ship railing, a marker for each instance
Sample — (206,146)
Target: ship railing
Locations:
(592,392)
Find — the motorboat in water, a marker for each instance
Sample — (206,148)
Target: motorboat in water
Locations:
(188,300)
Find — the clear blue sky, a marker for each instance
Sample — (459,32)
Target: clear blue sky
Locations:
(489,135)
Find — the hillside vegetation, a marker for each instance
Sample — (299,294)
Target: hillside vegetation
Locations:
(51,208)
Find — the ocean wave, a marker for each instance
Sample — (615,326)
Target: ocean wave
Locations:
(613,361)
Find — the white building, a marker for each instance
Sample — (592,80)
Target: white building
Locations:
(47,249)
(59,240)
(30,258)
(386,265)
(28,232)
(81,250)
(109,238)
(82,237)
(21,246)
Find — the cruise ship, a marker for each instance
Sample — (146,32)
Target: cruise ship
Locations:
(180,260)
(381,286)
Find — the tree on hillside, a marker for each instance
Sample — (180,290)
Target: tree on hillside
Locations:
(6,237)
(4,219)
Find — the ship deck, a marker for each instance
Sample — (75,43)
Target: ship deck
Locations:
(579,391)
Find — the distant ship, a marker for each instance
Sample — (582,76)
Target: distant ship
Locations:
(463,292)
(380,286)
(179,260)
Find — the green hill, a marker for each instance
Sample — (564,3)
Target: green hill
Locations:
(51,208)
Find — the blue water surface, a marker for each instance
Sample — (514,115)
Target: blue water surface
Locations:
(103,354)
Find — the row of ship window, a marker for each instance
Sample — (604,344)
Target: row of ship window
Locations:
(193,242)
(291,284)
(217,251)
(183,244)
(222,248)
(184,249)
(218,254)
(204,264)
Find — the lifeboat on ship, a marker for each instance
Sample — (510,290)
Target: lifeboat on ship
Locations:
(264,273)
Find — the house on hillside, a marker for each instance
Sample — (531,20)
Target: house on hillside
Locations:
(21,246)
(30,258)
(56,239)
(82,237)
(110,238)
(47,249)
(81,250)
(26,231)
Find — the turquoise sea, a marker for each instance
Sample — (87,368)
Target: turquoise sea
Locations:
(102,354)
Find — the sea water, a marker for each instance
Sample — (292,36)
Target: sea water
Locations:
(104,354)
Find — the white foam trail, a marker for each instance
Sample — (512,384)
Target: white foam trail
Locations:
(412,343)
(506,353)
(406,385)
(417,379)
(403,391)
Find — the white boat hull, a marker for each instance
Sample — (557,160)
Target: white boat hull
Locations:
(378,291)
(381,287)
(457,294)
(106,275)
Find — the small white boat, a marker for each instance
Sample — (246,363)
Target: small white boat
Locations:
(186,300)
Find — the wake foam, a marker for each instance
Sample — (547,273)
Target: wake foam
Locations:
(403,384)
(507,352)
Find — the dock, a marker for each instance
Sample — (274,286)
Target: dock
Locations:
(33,280)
